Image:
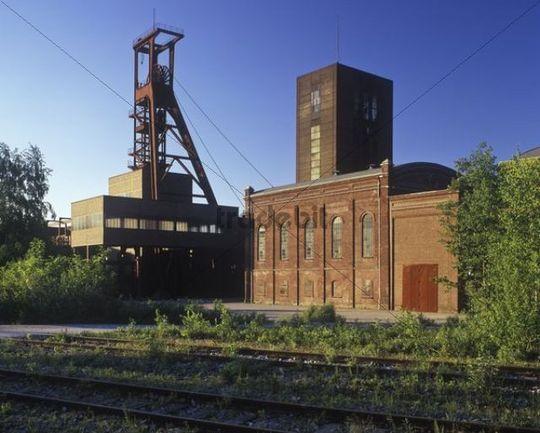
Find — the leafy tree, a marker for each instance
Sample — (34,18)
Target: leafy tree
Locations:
(23,186)
(508,315)
(471,223)
(494,232)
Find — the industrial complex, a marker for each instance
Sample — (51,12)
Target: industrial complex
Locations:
(354,230)
(162,218)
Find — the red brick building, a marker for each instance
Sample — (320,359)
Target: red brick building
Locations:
(355,230)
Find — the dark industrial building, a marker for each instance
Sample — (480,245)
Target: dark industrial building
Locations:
(355,230)
(170,235)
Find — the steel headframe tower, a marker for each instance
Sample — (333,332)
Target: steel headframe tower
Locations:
(155,105)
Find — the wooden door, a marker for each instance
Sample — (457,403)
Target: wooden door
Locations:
(420,288)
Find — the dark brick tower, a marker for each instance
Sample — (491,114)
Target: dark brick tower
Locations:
(344,122)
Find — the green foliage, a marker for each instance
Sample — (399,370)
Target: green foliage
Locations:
(507,314)
(238,370)
(321,314)
(194,325)
(38,288)
(23,186)
(494,231)
(471,223)
(412,334)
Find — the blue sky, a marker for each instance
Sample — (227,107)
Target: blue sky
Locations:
(240,60)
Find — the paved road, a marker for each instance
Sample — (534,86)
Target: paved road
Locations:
(23,330)
(276,312)
(272,312)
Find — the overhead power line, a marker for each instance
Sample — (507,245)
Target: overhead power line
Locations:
(65,52)
(424,93)
(218,129)
(232,188)
(467,58)
(404,109)
(220,175)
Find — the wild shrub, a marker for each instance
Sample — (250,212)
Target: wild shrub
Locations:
(41,289)
(194,325)
(164,328)
(320,314)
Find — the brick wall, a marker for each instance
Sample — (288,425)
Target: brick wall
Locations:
(349,281)
(406,231)
(417,239)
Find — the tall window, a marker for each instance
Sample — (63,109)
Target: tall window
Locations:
(315,100)
(336,290)
(337,235)
(315,152)
(284,241)
(309,239)
(374,108)
(370,108)
(367,236)
(261,243)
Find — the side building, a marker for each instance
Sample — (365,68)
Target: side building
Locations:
(168,247)
(355,230)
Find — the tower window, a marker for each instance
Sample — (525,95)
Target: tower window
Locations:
(261,243)
(309,232)
(284,241)
(370,108)
(315,100)
(337,235)
(367,236)
(374,108)
(315,152)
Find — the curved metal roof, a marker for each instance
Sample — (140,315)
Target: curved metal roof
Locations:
(420,176)
(534,152)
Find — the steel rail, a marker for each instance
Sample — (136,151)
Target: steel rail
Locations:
(158,418)
(511,369)
(283,359)
(330,413)
(281,362)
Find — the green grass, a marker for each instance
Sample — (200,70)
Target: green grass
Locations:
(319,329)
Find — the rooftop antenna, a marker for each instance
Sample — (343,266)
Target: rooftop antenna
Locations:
(337,39)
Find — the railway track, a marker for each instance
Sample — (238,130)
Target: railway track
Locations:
(321,357)
(268,407)
(519,376)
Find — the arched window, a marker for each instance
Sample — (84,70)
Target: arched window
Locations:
(261,243)
(309,239)
(367,236)
(284,241)
(337,235)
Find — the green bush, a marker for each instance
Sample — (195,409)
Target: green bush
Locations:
(41,289)
(194,324)
(320,314)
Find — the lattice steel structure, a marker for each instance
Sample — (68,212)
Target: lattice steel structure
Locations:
(157,114)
